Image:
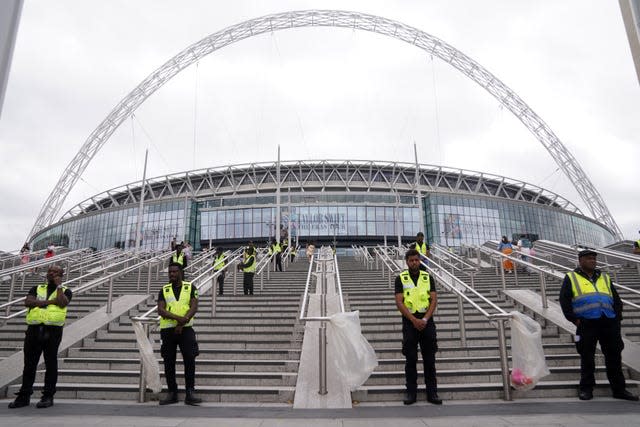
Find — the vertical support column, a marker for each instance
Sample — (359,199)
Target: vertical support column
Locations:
(142,385)
(504,361)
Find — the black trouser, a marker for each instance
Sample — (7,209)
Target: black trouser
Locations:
(426,338)
(221,283)
(607,332)
(247,283)
(279,261)
(41,339)
(189,349)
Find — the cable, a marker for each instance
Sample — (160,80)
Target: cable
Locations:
(144,131)
(195,115)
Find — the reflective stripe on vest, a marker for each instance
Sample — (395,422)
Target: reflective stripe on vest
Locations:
(49,315)
(178,259)
(252,267)
(416,298)
(421,248)
(591,301)
(179,307)
(219,263)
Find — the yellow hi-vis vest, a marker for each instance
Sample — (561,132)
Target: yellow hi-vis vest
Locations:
(178,259)
(49,315)
(219,263)
(421,248)
(591,301)
(252,267)
(179,306)
(416,298)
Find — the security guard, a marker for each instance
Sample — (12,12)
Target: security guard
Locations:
(179,257)
(416,299)
(177,305)
(248,267)
(278,251)
(422,247)
(218,264)
(47,304)
(589,300)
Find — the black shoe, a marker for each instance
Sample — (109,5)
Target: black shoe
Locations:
(172,397)
(20,402)
(410,398)
(433,398)
(45,402)
(585,395)
(625,395)
(191,399)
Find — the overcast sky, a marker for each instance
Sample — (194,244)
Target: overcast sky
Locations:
(319,93)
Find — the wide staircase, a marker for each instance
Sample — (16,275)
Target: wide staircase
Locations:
(470,371)
(249,350)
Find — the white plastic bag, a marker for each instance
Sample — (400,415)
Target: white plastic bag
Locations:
(527,354)
(151,367)
(355,359)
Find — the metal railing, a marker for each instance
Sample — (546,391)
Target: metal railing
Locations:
(203,282)
(80,289)
(460,289)
(323,259)
(544,269)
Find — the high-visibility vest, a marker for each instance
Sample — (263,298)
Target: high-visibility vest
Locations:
(591,301)
(421,248)
(416,298)
(252,267)
(179,306)
(277,248)
(178,259)
(219,262)
(50,315)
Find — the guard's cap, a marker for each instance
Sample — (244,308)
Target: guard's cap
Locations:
(586,252)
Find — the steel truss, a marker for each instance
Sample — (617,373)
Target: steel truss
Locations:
(326,18)
(319,176)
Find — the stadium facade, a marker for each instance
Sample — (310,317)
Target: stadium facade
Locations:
(328,201)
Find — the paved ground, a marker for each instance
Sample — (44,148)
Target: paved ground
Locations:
(568,412)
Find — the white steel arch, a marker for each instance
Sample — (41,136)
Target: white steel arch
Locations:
(326,18)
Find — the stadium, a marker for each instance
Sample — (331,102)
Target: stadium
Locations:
(329,202)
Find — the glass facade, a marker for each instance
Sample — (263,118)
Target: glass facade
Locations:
(344,217)
(453,220)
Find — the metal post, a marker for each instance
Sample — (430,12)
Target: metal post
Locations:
(322,368)
(515,272)
(504,363)
(143,381)
(24,276)
(543,290)
(214,294)
(504,283)
(235,280)
(463,329)
(110,295)
(139,276)
(13,281)
(262,280)
(149,278)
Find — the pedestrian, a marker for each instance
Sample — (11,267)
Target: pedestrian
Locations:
(248,267)
(311,248)
(46,315)
(506,248)
(416,299)
(177,305)
(636,247)
(590,301)
(179,257)
(219,262)
(423,249)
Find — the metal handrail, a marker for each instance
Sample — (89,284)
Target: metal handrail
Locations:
(83,288)
(321,261)
(544,272)
(495,319)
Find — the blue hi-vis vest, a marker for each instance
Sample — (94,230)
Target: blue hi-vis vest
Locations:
(416,298)
(591,301)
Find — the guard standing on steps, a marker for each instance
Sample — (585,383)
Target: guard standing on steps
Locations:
(177,305)
(248,267)
(416,298)
(219,261)
(589,300)
(47,304)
